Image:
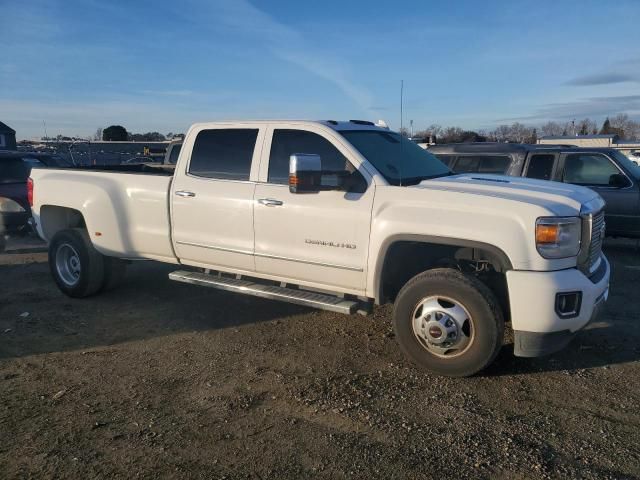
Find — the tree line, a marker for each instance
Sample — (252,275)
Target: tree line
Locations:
(620,125)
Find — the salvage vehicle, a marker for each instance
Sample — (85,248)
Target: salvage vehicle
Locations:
(14,172)
(343,216)
(605,170)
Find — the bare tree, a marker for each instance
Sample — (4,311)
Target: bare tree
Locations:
(98,134)
(551,129)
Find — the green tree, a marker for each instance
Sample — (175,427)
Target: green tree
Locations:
(115,133)
(606,127)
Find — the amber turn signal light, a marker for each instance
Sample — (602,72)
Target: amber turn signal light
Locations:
(546,234)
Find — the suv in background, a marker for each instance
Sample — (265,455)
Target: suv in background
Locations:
(605,170)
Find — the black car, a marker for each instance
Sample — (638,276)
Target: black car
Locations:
(15,168)
(605,170)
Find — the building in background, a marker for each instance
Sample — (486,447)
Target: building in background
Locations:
(7,137)
(592,141)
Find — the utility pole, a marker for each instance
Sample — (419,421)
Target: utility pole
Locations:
(411,124)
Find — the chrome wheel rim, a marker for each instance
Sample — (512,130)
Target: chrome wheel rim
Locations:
(443,326)
(68,265)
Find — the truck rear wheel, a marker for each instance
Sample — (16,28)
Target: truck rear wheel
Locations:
(448,322)
(77,267)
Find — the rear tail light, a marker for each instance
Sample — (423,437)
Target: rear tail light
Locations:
(30,191)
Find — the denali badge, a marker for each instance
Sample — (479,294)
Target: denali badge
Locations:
(324,243)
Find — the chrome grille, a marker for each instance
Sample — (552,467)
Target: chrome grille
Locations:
(597,237)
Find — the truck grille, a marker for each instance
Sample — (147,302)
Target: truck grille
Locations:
(597,237)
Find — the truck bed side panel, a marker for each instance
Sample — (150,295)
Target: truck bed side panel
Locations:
(126,215)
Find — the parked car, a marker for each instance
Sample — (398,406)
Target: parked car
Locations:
(15,168)
(343,216)
(607,171)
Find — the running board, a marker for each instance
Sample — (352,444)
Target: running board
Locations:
(299,297)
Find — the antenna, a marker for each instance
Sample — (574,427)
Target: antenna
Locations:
(401,129)
(401,105)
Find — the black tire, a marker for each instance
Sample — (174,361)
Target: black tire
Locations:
(90,273)
(114,271)
(472,295)
(3,242)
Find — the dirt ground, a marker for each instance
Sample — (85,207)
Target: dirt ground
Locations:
(165,380)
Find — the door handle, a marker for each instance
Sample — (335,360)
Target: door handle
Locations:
(270,202)
(184,193)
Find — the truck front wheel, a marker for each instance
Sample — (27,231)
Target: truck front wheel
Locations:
(448,322)
(77,267)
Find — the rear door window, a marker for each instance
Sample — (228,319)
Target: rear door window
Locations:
(541,166)
(588,169)
(225,154)
(497,164)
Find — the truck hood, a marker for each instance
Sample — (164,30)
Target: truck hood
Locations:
(560,198)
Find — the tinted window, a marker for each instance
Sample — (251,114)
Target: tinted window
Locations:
(224,154)
(288,142)
(399,161)
(541,166)
(483,164)
(446,159)
(175,152)
(14,171)
(588,169)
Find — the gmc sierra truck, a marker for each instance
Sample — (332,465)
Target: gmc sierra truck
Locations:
(342,216)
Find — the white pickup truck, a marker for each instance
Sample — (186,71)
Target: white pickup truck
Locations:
(343,216)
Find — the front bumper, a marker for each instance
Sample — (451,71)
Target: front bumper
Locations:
(538,329)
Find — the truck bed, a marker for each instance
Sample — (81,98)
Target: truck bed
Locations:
(125,207)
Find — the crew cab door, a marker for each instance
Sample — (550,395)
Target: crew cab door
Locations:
(594,170)
(314,238)
(212,197)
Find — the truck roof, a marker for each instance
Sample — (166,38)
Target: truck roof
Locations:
(333,124)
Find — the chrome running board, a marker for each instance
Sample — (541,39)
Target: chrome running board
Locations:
(299,297)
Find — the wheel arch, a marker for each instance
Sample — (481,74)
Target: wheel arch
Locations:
(54,218)
(435,249)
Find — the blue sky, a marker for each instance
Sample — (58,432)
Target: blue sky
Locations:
(160,65)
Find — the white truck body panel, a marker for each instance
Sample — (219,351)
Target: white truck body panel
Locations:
(126,214)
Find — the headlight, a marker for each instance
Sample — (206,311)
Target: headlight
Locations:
(558,237)
(10,206)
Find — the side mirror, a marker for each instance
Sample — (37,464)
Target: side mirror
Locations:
(305,173)
(618,180)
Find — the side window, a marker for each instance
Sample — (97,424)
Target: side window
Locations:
(288,142)
(588,169)
(541,166)
(466,164)
(483,164)
(223,153)
(494,164)
(446,159)
(175,153)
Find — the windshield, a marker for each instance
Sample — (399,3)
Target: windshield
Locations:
(399,160)
(627,164)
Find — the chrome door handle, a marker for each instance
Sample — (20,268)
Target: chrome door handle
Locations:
(184,193)
(270,202)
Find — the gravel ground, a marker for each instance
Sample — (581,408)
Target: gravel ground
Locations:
(158,379)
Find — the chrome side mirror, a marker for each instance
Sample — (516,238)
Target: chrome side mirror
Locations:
(305,173)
